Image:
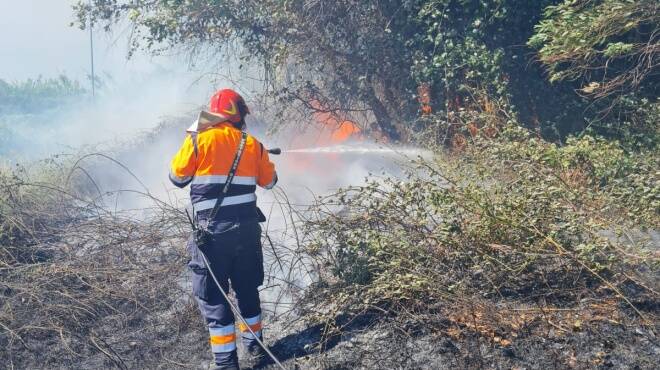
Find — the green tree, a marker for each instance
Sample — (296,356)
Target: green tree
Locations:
(367,59)
(611,47)
(474,53)
(347,55)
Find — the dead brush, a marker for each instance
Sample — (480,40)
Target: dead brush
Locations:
(84,284)
(81,285)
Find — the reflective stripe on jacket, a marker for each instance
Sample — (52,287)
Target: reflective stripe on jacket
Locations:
(206,166)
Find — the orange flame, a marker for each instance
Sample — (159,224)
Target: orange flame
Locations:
(424,98)
(334,129)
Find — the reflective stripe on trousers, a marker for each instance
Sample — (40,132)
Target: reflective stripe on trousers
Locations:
(223,338)
(255,325)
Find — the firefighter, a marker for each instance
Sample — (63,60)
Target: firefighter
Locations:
(234,254)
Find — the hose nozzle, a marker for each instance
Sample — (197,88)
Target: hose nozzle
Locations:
(275,151)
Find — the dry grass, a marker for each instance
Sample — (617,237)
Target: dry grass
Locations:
(78,279)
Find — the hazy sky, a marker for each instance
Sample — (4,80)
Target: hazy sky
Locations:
(36,39)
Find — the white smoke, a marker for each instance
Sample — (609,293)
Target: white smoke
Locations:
(137,122)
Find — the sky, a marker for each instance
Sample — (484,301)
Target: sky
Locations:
(36,39)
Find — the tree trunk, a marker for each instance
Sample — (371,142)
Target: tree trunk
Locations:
(383,118)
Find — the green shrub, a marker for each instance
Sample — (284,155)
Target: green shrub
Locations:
(511,219)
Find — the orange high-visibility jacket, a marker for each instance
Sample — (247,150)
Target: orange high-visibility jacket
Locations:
(205,167)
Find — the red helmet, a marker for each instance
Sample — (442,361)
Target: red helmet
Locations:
(229,105)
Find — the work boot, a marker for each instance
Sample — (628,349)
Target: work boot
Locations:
(214,366)
(225,361)
(255,356)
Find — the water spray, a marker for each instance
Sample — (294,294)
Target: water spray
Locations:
(346,149)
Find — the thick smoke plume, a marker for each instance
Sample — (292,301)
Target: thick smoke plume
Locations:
(123,142)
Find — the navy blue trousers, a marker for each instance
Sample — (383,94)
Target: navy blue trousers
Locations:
(236,258)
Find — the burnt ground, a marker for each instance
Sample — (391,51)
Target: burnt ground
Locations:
(174,336)
(371,342)
(384,347)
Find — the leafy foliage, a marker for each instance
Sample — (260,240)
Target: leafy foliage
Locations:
(610,46)
(515,219)
(338,55)
(363,59)
(470,44)
(633,122)
(367,60)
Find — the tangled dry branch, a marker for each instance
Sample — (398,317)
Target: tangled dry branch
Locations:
(86,283)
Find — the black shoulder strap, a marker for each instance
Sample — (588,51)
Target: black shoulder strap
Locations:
(230,176)
(193,137)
